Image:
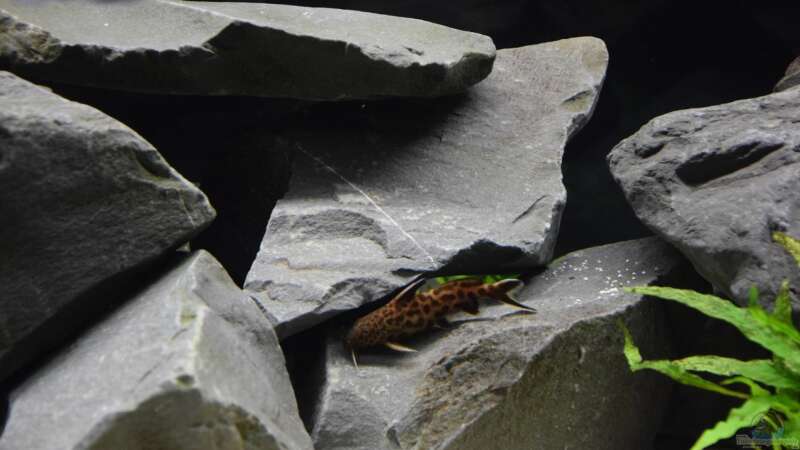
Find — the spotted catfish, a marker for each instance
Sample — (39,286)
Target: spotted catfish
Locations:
(410,312)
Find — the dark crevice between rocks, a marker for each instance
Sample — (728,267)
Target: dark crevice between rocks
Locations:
(476,257)
(655,69)
(305,361)
(230,147)
(51,338)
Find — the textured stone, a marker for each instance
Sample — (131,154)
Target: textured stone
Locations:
(82,199)
(716,182)
(190,363)
(555,379)
(791,78)
(239,49)
(466,184)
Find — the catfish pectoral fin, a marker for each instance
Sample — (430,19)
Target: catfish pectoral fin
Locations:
(469,306)
(442,324)
(399,348)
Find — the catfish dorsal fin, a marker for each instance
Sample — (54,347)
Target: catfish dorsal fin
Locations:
(408,292)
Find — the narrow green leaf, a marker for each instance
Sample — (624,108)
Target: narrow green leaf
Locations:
(773,336)
(791,430)
(496,278)
(783,306)
(629,349)
(670,369)
(737,418)
(791,244)
(760,370)
(755,389)
(782,339)
(753,296)
(492,278)
(675,372)
(776,325)
(788,404)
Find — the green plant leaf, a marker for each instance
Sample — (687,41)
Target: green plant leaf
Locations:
(791,244)
(496,278)
(780,338)
(755,389)
(670,369)
(772,330)
(761,370)
(493,278)
(791,429)
(737,418)
(783,306)
(753,296)
(630,349)
(784,339)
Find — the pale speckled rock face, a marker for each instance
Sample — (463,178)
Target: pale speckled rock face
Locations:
(470,184)
(83,198)
(189,363)
(716,182)
(212,48)
(556,379)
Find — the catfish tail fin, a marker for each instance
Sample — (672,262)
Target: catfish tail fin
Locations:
(504,290)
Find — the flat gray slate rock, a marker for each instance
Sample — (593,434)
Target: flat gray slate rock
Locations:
(508,380)
(470,184)
(238,49)
(83,198)
(190,363)
(716,182)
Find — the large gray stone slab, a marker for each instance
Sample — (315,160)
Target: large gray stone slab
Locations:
(83,199)
(716,182)
(189,363)
(467,184)
(238,49)
(505,380)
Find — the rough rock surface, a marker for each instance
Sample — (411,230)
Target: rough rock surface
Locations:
(555,379)
(791,78)
(190,362)
(716,182)
(239,49)
(465,184)
(82,199)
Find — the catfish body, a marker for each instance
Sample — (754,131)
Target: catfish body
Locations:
(410,312)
